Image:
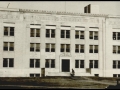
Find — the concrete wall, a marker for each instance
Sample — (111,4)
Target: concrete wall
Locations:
(22,40)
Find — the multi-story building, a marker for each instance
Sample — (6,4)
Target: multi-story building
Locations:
(37,43)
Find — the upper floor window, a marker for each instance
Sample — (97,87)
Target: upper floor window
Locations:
(79,34)
(35,47)
(8,62)
(65,33)
(34,63)
(8,31)
(50,63)
(116,35)
(65,48)
(50,33)
(93,63)
(79,63)
(116,64)
(79,48)
(93,49)
(50,47)
(93,35)
(34,32)
(116,49)
(8,46)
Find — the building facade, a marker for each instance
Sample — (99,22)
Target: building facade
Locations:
(37,43)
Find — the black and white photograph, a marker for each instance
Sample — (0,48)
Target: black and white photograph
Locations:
(59,45)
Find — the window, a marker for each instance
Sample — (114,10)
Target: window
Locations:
(34,32)
(50,33)
(8,31)
(79,63)
(50,47)
(93,35)
(79,48)
(65,48)
(8,46)
(93,49)
(93,63)
(50,63)
(116,49)
(65,33)
(114,75)
(8,62)
(116,64)
(79,34)
(96,75)
(35,47)
(34,63)
(35,75)
(116,35)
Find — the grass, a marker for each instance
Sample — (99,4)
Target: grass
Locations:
(55,82)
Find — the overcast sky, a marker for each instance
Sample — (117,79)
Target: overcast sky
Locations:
(106,7)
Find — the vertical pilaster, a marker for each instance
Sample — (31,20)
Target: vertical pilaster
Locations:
(42,44)
(57,47)
(87,47)
(72,47)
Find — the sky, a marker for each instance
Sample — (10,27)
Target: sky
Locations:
(105,7)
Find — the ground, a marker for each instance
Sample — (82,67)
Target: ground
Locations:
(57,82)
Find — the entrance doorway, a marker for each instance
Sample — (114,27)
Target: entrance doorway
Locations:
(65,65)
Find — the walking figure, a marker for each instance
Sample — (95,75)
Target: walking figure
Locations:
(73,73)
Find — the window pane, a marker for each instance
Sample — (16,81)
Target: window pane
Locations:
(119,49)
(31,63)
(62,33)
(37,75)
(95,35)
(91,49)
(96,49)
(37,47)
(91,64)
(95,63)
(118,35)
(6,31)
(52,47)
(37,63)
(53,33)
(31,46)
(11,31)
(77,48)
(67,33)
(82,49)
(114,75)
(81,63)
(114,49)
(5,62)
(91,34)
(62,47)
(5,46)
(32,32)
(67,47)
(47,32)
(37,32)
(47,63)
(11,62)
(31,75)
(47,47)
(11,48)
(52,63)
(76,63)
(114,35)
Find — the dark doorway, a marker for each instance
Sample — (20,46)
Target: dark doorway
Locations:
(65,65)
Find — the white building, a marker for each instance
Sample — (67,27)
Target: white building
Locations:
(45,43)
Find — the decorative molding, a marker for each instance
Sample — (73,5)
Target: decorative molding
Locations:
(9,16)
(65,19)
(64,54)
